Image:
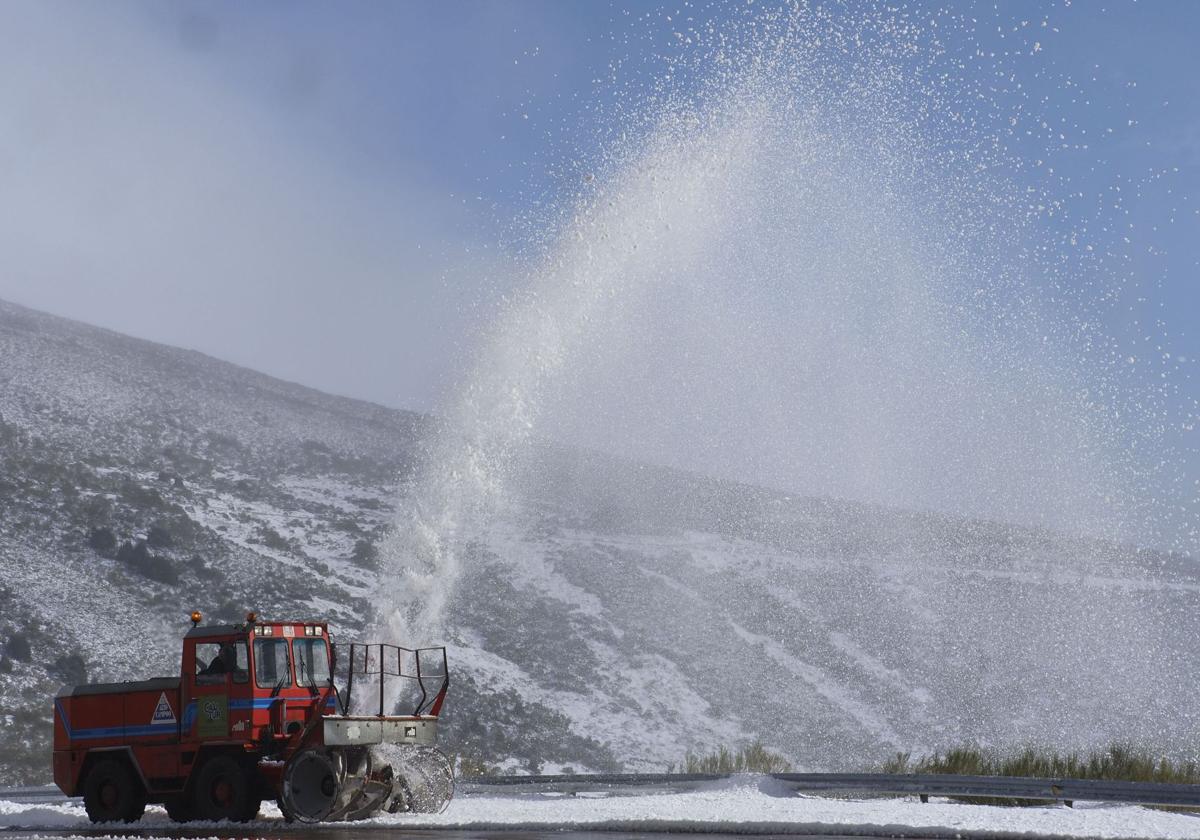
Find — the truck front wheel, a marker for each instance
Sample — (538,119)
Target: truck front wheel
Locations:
(225,791)
(112,793)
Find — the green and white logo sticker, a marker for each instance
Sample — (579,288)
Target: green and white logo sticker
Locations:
(214,716)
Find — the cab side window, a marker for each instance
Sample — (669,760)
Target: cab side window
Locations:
(218,661)
(271,665)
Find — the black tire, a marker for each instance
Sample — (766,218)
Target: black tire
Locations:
(180,808)
(224,790)
(112,793)
(252,808)
(288,816)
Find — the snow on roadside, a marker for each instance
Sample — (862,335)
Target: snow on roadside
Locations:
(738,809)
(747,810)
(40,815)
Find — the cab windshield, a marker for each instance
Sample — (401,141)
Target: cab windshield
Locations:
(271,666)
(312,661)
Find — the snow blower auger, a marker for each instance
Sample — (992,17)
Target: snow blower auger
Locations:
(367,763)
(255,715)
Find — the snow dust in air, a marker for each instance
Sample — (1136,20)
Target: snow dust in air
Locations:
(819,253)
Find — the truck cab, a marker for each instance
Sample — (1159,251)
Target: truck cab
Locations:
(258,683)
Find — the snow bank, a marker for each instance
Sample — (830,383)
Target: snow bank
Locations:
(747,810)
(26,815)
(733,810)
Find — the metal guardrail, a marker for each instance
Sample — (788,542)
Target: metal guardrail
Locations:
(40,793)
(588,782)
(997,787)
(841,784)
(924,786)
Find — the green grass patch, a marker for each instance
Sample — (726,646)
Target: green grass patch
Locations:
(473,765)
(753,758)
(1116,762)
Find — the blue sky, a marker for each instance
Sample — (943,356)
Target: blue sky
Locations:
(330,194)
(448,120)
(279,184)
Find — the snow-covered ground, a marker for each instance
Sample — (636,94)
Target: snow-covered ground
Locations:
(733,809)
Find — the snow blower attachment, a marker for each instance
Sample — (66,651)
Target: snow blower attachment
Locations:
(255,715)
(376,762)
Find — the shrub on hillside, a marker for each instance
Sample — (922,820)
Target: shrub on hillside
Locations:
(160,536)
(97,509)
(473,765)
(754,758)
(139,559)
(141,498)
(274,540)
(71,669)
(1116,762)
(18,647)
(103,541)
(365,555)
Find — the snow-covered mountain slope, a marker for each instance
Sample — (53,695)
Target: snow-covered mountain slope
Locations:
(611,614)
(664,612)
(139,481)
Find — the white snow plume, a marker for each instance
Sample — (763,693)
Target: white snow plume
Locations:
(805,265)
(458,484)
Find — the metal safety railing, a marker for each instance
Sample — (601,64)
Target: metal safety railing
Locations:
(848,784)
(995,787)
(427,673)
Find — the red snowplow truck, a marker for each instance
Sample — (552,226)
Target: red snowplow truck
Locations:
(254,715)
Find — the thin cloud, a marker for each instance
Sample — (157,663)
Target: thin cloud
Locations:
(143,190)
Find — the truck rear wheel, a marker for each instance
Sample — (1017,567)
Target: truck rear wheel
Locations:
(112,793)
(225,791)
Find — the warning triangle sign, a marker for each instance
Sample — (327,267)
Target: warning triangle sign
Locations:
(163,713)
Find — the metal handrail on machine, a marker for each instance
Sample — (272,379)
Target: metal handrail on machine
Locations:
(425,705)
